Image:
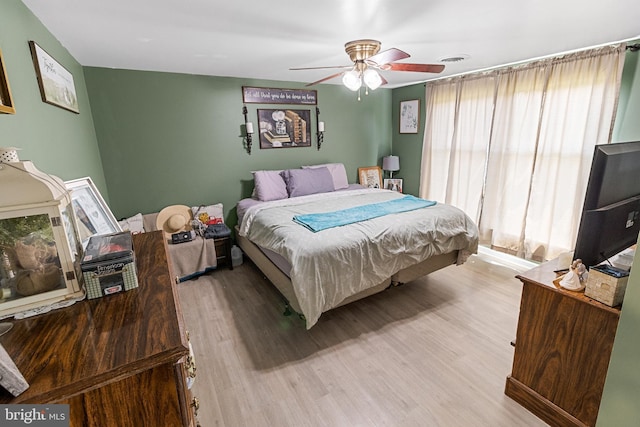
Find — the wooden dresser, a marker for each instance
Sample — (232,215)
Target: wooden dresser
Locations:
(562,350)
(118,360)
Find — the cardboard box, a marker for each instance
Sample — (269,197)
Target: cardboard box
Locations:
(607,284)
(109,266)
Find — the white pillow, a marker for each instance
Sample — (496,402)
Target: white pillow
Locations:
(133,224)
(338,174)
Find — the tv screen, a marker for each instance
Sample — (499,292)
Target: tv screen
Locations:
(610,219)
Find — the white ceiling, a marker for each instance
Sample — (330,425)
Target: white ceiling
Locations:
(262,40)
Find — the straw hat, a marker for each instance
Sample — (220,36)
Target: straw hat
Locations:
(174,219)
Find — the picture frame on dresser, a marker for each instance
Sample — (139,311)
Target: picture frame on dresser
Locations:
(93,215)
(6,100)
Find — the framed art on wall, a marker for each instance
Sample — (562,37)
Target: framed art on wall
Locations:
(56,83)
(6,101)
(370,176)
(284,128)
(409,116)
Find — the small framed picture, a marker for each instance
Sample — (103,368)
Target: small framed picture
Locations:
(394,184)
(370,176)
(92,213)
(409,116)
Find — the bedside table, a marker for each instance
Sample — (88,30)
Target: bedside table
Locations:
(223,251)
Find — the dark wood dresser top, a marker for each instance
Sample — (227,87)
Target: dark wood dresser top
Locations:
(92,343)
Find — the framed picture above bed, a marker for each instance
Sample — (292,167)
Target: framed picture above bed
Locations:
(370,176)
(284,128)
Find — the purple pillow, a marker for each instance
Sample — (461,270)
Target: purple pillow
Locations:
(269,185)
(301,182)
(338,173)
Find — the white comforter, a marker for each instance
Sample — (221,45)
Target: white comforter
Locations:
(331,265)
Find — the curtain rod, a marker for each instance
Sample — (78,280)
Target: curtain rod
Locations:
(634,47)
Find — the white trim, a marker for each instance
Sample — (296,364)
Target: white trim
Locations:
(513,262)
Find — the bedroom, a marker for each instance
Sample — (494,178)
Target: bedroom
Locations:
(141,119)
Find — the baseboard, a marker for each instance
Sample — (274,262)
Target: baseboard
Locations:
(510,261)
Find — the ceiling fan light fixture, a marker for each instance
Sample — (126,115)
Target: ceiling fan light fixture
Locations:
(372,79)
(352,80)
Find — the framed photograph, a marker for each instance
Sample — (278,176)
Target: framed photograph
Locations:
(409,116)
(6,101)
(284,128)
(394,184)
(370,177)
(93,216)
(56,83)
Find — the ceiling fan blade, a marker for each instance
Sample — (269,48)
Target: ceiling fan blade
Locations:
(325,79)
(321,68)
(418,68)
(387,56)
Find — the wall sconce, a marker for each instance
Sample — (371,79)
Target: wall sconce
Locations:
(248,128)
(320,128)
(391,164)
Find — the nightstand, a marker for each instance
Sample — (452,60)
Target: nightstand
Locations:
(223,251)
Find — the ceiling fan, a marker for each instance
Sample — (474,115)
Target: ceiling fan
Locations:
(367,58)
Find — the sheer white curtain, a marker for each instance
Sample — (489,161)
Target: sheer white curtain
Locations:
(457,150)
(531,131)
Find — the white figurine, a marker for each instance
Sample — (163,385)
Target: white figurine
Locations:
(576,278)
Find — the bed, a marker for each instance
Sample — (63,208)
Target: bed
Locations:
(316,271)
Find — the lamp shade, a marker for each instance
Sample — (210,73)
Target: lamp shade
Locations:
(391,163)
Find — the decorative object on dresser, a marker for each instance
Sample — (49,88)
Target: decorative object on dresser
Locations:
(108,265)
(93,213)
(562,350)
(112,353)
(6,100)
(39,243)
(10,377)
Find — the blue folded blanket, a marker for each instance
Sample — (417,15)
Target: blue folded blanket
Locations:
(321,221)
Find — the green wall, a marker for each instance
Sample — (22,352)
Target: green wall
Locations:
(619,406)
(176,139)
(57,141)
(408,146)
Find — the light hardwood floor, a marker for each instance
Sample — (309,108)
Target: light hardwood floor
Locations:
(434,352)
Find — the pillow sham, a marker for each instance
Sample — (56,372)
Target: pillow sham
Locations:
(269,185)
(133,224)
(302,182)
(338,174)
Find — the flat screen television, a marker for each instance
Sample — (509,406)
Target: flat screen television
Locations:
(610,218)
